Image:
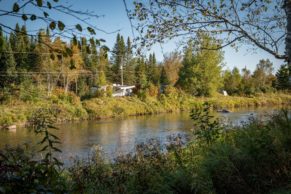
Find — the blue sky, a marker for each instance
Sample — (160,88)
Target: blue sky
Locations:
(115,18)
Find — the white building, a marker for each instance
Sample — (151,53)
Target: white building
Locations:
(122,90)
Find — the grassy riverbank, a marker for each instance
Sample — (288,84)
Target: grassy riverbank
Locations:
(18,111)
(111,107)
(71,108)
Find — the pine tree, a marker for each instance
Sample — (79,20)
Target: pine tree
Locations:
(118,58)
(140,71)
(7,62)
(84,47)
(283,78)
(164,80)
(92,63)
(129,65)
(102,66)
(21,47)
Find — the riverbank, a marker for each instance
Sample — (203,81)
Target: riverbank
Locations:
(71,108)
(99,108)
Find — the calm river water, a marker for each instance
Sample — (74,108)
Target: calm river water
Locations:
(118,135)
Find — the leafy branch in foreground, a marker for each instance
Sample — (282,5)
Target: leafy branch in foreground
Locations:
(206,127)
(21,171)
(41,122)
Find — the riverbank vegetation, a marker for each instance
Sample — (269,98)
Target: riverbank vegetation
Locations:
(42,71)
(71,108)
(253,158)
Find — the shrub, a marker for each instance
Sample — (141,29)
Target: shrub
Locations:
(30,92)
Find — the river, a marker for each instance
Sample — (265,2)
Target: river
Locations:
(119,135)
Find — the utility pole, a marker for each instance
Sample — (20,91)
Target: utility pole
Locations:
(121,69)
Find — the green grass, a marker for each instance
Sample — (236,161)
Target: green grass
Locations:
(18,111)
(71,108)
(99,108)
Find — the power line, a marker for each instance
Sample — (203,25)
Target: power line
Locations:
(52,53)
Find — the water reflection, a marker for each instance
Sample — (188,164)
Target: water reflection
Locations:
(119,135)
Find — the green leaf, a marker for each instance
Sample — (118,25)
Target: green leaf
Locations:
(39,3)
(79,27)
(54,136)
(49,5)
(15,7)
(52,25)
(24,17)
(69,51)
(91,31)
(61,25)
(57,161)
(56,149)
(52,127)
(43,140)
(33,17)
(47,155)
(97,42)
(92,42)
(105,48)
(45,14)
(44,148)
(52,56)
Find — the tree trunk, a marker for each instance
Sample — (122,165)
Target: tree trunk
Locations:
(66,84)
(287,7)
(288,37)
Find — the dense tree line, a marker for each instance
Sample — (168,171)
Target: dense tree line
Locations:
(76,65)
(261,80)
(79,64)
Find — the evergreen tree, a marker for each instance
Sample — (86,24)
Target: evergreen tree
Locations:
(92,64)
(129,65)
(118,59)
(102,66)
(46,63)
(84,47)
(21,48)
(140,71)
(164,80)
(152,70)
(7,62)
(283,78)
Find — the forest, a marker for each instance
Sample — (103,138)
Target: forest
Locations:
(80,64)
